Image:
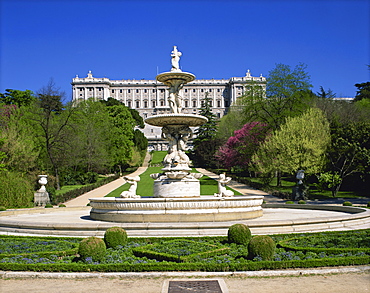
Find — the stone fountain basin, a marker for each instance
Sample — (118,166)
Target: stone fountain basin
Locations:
(162,210)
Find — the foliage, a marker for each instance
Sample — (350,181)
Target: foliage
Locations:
(13,246)
(325,94)
(363,91)
(18,143)
(63,197)
(347,204)
(301,143)
(239,234)
(92,247)
(114,237)
(349,152)
(261,246)
(240,148)
(205,144)
(16,190)
(17,97)
(323,249)
(301,202)
(179,250)
(287,95)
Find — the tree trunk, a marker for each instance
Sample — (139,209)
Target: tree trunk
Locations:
(278,177)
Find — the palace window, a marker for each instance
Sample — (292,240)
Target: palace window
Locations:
(219,104)
(162,103)
(137,91)
(153,104)
(137,104)
(194,103)
(112,91)
(186,103)
(129,91)
(145,104)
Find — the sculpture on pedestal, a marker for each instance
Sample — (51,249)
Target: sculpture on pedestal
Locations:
(41,196)
(131,192)
(222,191)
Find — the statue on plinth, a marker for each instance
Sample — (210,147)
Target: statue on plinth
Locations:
(131,192)
(175,59)
(222,191)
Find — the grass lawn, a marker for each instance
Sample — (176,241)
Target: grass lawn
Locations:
(208,186)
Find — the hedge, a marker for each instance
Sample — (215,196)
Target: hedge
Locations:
(79,191)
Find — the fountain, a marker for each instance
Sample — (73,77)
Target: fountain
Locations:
(177,190)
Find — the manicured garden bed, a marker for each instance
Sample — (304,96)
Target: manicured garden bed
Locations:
(187,254)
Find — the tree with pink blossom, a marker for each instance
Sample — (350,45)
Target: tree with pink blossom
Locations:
(239,149)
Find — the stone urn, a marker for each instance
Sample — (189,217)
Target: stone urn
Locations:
(43,180)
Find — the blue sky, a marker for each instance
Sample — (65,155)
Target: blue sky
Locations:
(219,39)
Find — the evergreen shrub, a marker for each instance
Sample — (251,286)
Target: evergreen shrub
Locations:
(301,202)
(262,246)
(239,234)
(347,204)
(114,237)
(2,208)
(16,190)
(289,202)
(48,206)
(92,247)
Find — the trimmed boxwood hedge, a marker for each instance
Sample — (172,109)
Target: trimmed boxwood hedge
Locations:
(239,264)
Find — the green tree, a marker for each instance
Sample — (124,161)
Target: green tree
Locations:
(349,152)
(18,142)
(363,91)
(52,124)
(287,95)
(300,143)
(205,143)
(325,94)
(91,139)
(121,136)
(17,97)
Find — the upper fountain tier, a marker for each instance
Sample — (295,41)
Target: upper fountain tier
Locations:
(175,80)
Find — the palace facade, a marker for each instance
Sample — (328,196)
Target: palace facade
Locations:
(149,97)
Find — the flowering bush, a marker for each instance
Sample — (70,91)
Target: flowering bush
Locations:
(240,148)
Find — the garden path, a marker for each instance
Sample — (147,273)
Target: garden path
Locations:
(102,191)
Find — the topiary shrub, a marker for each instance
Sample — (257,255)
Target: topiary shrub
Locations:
(48,206)
(92,247)
(239,234)
(2,208)
(261,246)
(301,202)
(62,205)
(347,204)
(114,237)
(368,204)
(289,202)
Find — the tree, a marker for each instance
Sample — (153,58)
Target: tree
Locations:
(287,95)
(18,142)
(300,143)
(325,94)
(239,149)
(349,152)
(363,91)
(205,144)
(17,97)
(52,125)
(121,136)
(91,140)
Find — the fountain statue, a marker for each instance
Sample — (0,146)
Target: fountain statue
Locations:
(177,180)
(176,189)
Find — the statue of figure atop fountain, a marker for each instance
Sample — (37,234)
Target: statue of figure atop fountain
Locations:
(175,60)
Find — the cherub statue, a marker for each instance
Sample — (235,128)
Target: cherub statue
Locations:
(131,192)
(222,191)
